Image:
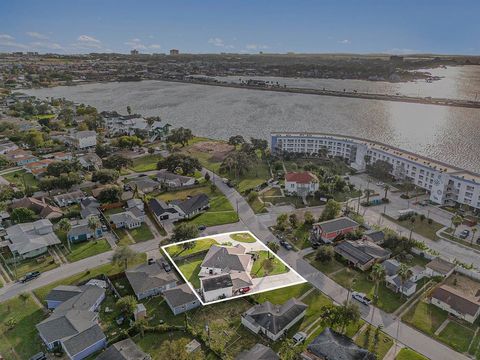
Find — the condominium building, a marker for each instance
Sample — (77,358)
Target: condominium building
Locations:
(446,184)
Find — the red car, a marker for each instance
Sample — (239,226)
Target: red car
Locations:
(244,290)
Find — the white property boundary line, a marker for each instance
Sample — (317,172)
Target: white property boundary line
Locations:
(302,281)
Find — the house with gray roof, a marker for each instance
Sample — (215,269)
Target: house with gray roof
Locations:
(335,346)
(81,231)
(60,294)
(126,219)
(70,198)
(361,253)
(90,161)
(162,210)
(181,299)
(226,259)
(274,320)
(32,239)
(216,287)
(149,280)
(173,181)
(439,267)
(258,352)
(124,350)
(192,206)
(89,207)
(73,325)
(144,184)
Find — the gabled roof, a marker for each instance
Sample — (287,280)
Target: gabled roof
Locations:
(63,293)
(337,224)
(124,350)
(258,352)
(160,207)
(179,295)
(27,237)
(83,340)
(147,277)
(397,281)
(195,203)
(440,266)
(458,301)
(372,249)
(352,253)
(376,236)
(391,266)
(305,177)
(334,346)
(216,282)
(275,318)
(165,175)
(227,258)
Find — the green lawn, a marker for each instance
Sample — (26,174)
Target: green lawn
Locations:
(315,301)
(159,312)
(420,227)
(35,264)
(384,344)
(257,206)
(108,269)
(124,239)
(425,317)
(23,338)
(457,336)
(146,163)
(280,296)
(408,354)
(19,177)
(274,191)
(199,245)
(265,259)
(143,233)
(213,219)
(190,269)
(152,343)
(87,248)
(243,237)
(327,267)
(387,299)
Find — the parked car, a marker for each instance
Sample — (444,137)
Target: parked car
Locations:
(166,266)
(244,290)
(30,276)
(39,356)
(464,234)
(150,261)
(299,337)
(286,245)
(202,227)
(380,183)
(361,297)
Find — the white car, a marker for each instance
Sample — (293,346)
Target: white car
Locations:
(361,297)
(299,337)
(380,183)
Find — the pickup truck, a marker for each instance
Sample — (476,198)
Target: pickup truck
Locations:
(29,276)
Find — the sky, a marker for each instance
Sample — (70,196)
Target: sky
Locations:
(241,26)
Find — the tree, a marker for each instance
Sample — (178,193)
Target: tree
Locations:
(105,176)
(103,150)
(110,194)
(180,136)
(237,163)
(11,323)
(176,350)
(58,168)
(330,316)
(273,246)
(349,313)
(116,162)
(6,193)
(457,220)
(282,222)
(129,110)
(128,142)
(122,255)
(236,140)
(93,224)
(140,325)
(378,275)
(127,305)
(180,163)
(386,188)
(331,211)
(207,177)
(22,215)
(325,253)
(474,231)
(184,231)
(288,351)
(259,144)
(404,273)
(293,219)
(308,218)
(380,169)
(65,226)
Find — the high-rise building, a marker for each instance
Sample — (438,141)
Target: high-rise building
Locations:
(174,52)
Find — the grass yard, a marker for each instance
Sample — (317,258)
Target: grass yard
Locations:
(457,336)
(257,206)
(210,218)
(199,245)
(243,237)
(420,227)
(279,296)
(146,163)
(35,264)
(124,239)
(384,343)
(87,248)
(141,233)
(108,269)
(267,264)
(315,301)
(387,299)
(20,178)
(190,269)
(409,354)
(274,191)
(425,317)
(327,267)
(23,337)
(159,312)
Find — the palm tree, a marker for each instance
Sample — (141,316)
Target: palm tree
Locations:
(65,226)
(412,220)
(378,275)
(386,187)
(404,273)
(93,224)
(457,220)
(129,110)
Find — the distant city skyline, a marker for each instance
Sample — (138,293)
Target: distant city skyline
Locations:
(241,26)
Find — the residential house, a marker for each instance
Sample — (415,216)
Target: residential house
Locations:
(376,236)
(83,139)
(73,325)
(394,281)
(133,124)
(60,156)
(39,206)
(301,183)
(124,350)
(29,240)
(163,211)
(89,207)
(38,168)
(71,198)
(439,267)
(354,255)
(179,209)
(174,181)
(20,157)
(462,302)
(90,161)
(60,294)
(6,146)
(330,230)
(144,184)
(258,352)
(273,321)
(226,260)
(149,280)
(330,345)
(127,220)
(216,287)
(181,299)
(81,231)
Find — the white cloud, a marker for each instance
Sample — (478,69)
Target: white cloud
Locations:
(216,42)
(6,37)
(155,46)
(135,44)
(37,35)
(256,47)
(46,45)
(88,39)
(136,40)
(401,51)
(345,41)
